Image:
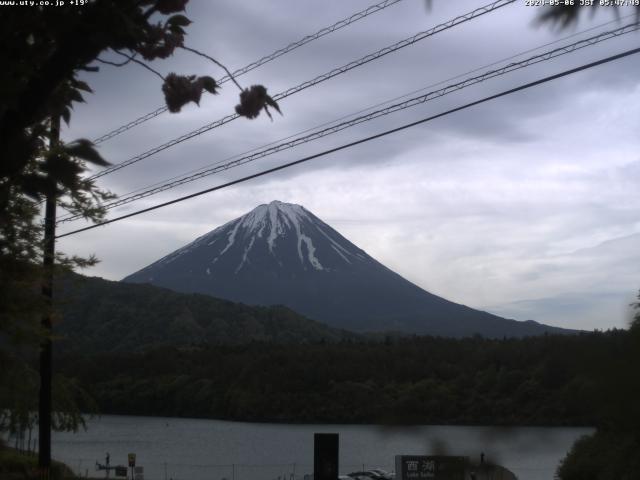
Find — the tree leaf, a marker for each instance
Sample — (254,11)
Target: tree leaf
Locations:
(272,103)
(75,95)
(66,115)
(80,85)
(179,20)
(178,30)
(170,6)
(84,149)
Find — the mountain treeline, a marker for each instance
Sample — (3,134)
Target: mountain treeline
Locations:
(547,380)
(102,316)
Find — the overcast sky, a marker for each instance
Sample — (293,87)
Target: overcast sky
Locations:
(527,206)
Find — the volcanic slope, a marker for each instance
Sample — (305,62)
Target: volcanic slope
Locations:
(282,254)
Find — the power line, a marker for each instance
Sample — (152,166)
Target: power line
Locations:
(221,166)
(362,140)
(405,95)
(267,58)
(319,79)
(130,125)
(441,82)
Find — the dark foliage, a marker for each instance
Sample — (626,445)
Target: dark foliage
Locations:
(181,89)
(43,51)
(547,380)
(564,16)
(612,452)
(255,99)
(99,315)
(606,455)
(16,465)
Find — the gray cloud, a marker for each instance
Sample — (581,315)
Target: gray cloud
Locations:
(493,206)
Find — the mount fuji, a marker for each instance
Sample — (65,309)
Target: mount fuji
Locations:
(281,253)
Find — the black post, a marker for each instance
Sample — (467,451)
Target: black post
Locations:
(44,404)
(325,456)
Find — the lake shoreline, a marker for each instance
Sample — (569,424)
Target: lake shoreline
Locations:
(342,422)
(211,450)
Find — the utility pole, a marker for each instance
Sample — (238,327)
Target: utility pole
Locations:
(46,370)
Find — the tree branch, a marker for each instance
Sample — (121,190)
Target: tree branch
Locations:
(193,50)
(131,58)
(116,64)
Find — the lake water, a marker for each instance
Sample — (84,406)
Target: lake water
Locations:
(193,449)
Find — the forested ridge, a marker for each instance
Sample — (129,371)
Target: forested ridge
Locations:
(103,316)
(547,380)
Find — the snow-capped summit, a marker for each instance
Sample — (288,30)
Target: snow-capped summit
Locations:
(272,229)
(280,253)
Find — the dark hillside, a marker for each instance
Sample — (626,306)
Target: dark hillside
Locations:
(548,380)
(100,315)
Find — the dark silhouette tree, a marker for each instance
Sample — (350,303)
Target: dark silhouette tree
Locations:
(612,451)
(44,48)
(565,15)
